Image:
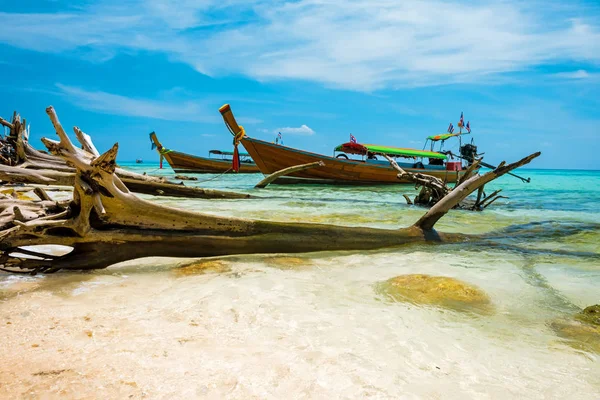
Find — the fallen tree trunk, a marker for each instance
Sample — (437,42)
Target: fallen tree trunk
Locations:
(286,171)
(48,177)
(105,223)
(36,176)
(173,190)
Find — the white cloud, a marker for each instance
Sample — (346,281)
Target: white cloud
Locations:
(114,104)
(302,130)
(579,74)
(359,45)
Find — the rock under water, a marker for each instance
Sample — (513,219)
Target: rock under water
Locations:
(582,331)
(204,267)
(287,263)
(441,291)
(590,315)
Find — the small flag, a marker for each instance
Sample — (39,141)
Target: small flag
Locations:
(279,138)
(352,138)
(468,126)
(461,123)
(450,128)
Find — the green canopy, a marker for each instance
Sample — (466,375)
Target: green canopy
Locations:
(442,136)
(395,151)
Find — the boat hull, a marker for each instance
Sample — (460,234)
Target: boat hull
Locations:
(182,162)
(270,158)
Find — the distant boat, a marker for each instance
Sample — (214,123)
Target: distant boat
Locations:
(218,161)
(139,161)
(341,169)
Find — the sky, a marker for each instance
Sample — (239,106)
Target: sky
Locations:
(526,74)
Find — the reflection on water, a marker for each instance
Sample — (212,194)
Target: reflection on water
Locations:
(316,325)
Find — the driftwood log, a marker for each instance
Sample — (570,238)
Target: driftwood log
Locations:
(105,223)
(59,178)
(434,189)
(17,154)
(286,171)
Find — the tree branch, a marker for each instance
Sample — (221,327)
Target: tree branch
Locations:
(286,171)
(461,192)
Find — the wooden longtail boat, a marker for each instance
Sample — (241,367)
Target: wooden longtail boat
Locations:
(341,169)
(218,161)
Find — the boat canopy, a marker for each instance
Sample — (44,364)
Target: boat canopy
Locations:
(442,136)
(227,153)
(357,148)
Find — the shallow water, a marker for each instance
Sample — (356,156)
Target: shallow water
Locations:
(314,325)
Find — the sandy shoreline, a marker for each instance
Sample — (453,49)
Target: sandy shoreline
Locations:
(312,330)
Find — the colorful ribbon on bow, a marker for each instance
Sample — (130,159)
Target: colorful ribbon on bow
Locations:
(237,138)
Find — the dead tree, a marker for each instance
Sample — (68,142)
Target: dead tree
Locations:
(105,223)
(433,189)
(16,153)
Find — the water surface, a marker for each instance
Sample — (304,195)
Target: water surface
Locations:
(313,325)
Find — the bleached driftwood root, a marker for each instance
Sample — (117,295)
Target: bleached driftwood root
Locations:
(286,171)
(433,189)
(17,154)
(105,224)
(467,187)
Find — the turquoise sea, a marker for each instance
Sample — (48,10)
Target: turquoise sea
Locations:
(315,325)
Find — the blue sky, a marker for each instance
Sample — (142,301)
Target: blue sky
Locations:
(526,74)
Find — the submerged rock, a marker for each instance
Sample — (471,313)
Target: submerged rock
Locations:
(441,291)
(590,315)
(582,331)
(287,263)
(204,267)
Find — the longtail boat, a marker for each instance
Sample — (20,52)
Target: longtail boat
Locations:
(342,169)
(218,161)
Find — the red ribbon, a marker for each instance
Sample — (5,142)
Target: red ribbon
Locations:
(236,159)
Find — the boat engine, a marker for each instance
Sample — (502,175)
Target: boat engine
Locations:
(468,152)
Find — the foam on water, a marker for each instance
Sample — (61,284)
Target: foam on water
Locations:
(314,326)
